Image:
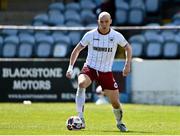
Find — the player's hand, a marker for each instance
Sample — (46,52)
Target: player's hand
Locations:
(126,69)
(69,72)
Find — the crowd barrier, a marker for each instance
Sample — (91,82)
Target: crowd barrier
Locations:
(44,80)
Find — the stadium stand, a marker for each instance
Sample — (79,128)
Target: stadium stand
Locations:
(136,16)
(60,50)
(176,18)
(87,4)
(55,17)
(1,43)
(75,37)
(41,18)
(61,44)
(138,42)
(73,6)
(87,17)
(26,45)
(121,13)
(146,44)
(170,49)
(152,6)
(57,6)
(72,15)
(7,32)
(154,47)
(10,46)
(44,44)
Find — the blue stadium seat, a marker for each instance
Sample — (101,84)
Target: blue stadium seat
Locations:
(98,2)
(119,3)
(60,50)
(170,50)
(9,50)
(121,13)
(1,43)
(40,37)
(61,38)
(26,38)
(10,46)
(137,4)
(6,32)
(62,44)
(39,34)
(28,31)
(168,35)
(87,17)
(44,50)
(176,18)
(176,22)
(1,40)
(75,37)
(136,16)
(43,17)
(72,15)
(137,42)
(87,4)
(154,44)
(154,50)
(55,17)
(177,38)
(37,23)
(152,5)
(44,45)
(12,39)
(73,6)
(152,36)
(25,50)
(56,6)
(26,46)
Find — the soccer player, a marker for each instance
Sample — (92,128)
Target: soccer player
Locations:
(102,44)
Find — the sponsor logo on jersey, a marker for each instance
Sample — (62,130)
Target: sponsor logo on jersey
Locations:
(96,39)
(102,49)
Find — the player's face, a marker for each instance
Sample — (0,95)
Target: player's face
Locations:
(104,23)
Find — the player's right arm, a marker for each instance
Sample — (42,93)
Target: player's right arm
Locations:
(73,58)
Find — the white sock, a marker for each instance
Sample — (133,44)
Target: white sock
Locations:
(118,115)
(80,101)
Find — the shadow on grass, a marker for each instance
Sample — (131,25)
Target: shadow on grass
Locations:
(112,132)
(129,132)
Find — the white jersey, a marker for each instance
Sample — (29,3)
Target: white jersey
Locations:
(102,48)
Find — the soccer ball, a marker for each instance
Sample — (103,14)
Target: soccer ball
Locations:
(74,123)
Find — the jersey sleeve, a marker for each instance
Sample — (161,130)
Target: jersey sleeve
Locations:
(85,40)
(121,40)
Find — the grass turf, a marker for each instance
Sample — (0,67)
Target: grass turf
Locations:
(50,118)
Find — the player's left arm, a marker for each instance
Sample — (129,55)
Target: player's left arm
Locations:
(128,54)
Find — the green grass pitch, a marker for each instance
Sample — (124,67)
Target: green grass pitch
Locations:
(50,118)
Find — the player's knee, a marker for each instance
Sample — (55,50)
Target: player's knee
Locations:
(115,105)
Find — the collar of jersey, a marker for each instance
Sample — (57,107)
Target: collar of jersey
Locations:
(105,33)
